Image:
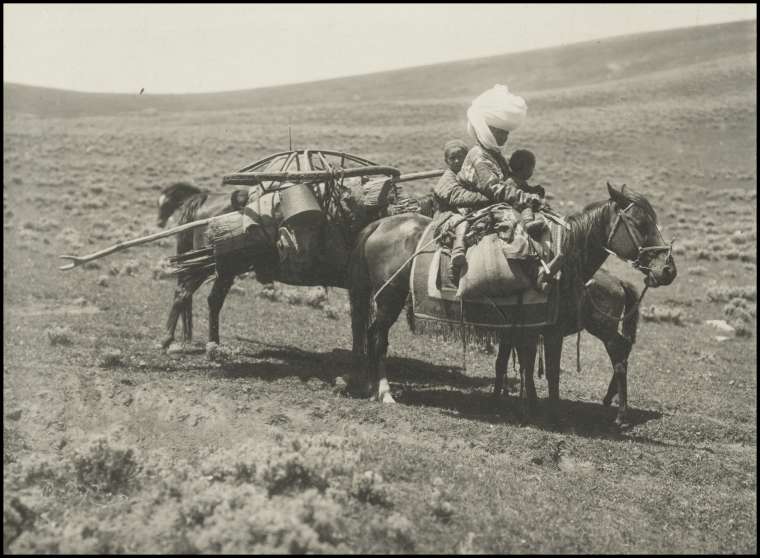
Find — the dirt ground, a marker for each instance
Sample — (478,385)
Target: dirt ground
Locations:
(111,445)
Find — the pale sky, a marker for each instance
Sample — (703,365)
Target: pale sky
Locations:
(193,48)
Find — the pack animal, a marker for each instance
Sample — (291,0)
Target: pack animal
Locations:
(189,203)
(625,224)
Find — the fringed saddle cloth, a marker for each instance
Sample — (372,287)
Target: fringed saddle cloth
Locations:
(438,305)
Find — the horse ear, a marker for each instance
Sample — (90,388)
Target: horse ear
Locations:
(617,195)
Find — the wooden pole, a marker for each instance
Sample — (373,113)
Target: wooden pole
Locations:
(79,260)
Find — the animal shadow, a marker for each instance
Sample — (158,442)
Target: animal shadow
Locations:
(582,418)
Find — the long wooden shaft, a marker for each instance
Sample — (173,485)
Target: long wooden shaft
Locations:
(78,260)
(417,176)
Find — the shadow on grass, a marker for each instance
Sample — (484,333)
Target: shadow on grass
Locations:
(329,365)
(582,418)
(420,383)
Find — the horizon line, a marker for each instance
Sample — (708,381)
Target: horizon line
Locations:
(400,69)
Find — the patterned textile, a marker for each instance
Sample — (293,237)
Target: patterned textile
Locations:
(434,298)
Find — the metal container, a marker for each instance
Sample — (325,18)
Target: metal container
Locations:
(298,203)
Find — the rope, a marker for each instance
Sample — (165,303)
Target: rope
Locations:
(540,356)
(463,334)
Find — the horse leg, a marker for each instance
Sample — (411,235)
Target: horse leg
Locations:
(612,389)
(552,356)
(360,306)
(621,373)
(187,322)
(618,348)
(527,356)
(216,298)
(502,362)
(389,307)
(183,293)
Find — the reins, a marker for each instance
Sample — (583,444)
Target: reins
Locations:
(583,292)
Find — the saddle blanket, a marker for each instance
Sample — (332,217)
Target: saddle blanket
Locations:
(434,297)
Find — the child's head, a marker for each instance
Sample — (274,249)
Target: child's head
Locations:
(521,163)
(454,153)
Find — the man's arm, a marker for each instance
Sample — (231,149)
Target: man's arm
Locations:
(489,184)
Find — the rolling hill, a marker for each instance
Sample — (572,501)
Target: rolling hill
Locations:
(581,64)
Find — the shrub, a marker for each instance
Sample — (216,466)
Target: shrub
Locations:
(104,467)
(740,314)
(442,508)
(131,267)
(655,314)
(316,298)
(89,537)
(270,292)
(306,463)
(724,294)
(331,312)
(244,520)
(399,529)
(369,487)
(59,335)
(110,358)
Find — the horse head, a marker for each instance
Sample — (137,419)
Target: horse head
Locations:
(634,236)
(171,199)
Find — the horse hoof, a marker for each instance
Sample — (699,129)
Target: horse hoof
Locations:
(166,343)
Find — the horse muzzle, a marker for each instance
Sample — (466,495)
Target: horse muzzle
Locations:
(662,276)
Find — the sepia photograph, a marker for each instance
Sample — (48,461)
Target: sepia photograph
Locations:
(380,278)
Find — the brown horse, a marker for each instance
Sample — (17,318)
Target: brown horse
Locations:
(606,299)
(625,224)
(333,247)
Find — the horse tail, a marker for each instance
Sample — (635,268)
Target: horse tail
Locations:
(631,322)
(359,288)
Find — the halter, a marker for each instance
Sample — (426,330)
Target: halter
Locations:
(641,251)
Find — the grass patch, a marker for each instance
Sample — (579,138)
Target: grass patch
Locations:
(724,294)
(60,335)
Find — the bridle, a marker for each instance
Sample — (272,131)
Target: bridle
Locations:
(637,262)
(643,253)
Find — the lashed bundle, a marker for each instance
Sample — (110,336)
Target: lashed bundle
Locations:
(225,234)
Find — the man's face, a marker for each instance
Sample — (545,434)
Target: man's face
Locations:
(500,136)
(455,158)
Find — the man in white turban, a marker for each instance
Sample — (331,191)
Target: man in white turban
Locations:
(490,118)
(493,115)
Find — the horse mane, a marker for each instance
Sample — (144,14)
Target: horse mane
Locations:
(581,224)
(189,209)
(184,188)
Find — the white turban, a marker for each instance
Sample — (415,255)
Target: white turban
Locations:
(496,107)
